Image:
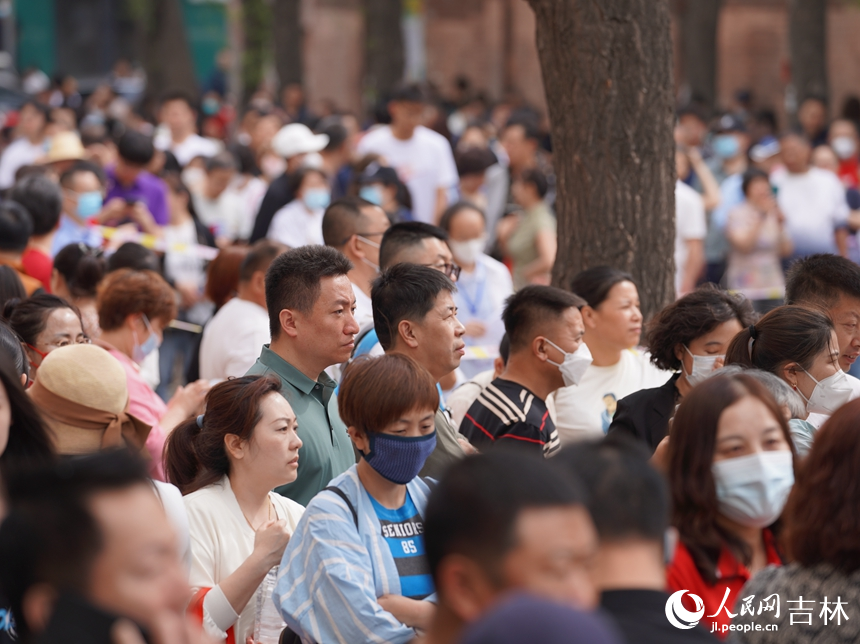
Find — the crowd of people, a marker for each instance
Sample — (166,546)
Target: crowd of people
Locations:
(279,378)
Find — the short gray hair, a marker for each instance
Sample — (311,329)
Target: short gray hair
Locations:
(785,397)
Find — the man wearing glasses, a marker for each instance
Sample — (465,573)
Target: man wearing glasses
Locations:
(355,227)
(410,242)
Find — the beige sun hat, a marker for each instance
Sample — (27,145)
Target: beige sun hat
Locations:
(65,146)
(82,393)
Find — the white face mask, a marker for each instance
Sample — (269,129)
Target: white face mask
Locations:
(375,267)
(703,366)
(844,147)
(752,490)
(574,365)
(829,394)
(468,252)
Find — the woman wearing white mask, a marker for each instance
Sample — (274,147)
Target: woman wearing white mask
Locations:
(299,223)
(134,307)
(484,283)
(731,468)
(799,345)
(689,337)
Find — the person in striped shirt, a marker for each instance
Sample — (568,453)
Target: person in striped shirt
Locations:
(545,330)
(357,570)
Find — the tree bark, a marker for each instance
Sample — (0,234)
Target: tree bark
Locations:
(385,58)
(288,39)
(607,70)
(257,22)
(167,58)
(699,59)
(808,48)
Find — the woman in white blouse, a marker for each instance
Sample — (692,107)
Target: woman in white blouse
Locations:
(226,463)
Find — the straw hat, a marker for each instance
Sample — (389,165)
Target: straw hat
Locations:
(65,146)
(80,389)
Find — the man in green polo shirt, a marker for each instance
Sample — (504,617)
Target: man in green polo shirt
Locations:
(311,316)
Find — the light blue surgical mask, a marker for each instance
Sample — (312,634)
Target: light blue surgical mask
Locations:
(726,146)
(140,351)
(373,194)
(752,490)
(90,204)
(316,198)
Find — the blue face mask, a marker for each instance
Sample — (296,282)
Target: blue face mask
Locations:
(316,199)
(726,146)
(140,351)
(373,194)
(89,204)
(399,458)
(211,106)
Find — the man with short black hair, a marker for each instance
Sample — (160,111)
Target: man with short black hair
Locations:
(311,319)
(355,227)
(78,534)
(43,200)
(831,284)
(421,157)
(16,226)
(179,115)
(414,314)
(545,330)
(82,187)
(133,194)
(629,504)
(501,522)
(234,336)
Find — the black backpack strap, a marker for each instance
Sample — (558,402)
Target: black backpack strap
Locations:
(349,504)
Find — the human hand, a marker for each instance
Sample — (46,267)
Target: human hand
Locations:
(189,293)
(660,459)
(140,215)
(270,540)
(114,209)
(412,612)
(189,399)
(466,446)
(475,328)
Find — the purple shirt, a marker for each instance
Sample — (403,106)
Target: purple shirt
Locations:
(147,188)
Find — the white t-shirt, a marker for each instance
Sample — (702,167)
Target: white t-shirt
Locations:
(363,308)
(481,296)
(586,410)
(294,225)
(689,224)
(193,146)
(18,154)
(233,339)
(424,163)
(814,206)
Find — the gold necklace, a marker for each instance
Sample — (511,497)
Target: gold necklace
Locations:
(269,499)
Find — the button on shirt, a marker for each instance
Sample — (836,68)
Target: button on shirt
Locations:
(146,188)
(326,450)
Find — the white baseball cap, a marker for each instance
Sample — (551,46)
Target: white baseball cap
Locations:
(296,138)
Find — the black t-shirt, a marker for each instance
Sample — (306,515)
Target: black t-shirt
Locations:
(507,411)
(641,617)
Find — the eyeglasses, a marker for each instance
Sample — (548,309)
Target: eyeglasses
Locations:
(451,270)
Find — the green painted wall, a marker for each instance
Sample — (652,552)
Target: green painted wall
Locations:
(36,34)
(206,27)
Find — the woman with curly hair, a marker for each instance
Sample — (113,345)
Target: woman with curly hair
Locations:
(689,337)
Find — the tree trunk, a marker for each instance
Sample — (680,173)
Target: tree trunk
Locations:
(607,70)
(808,48)
(699,59)
(167,58)
(257,19)
(288,38)
(385,59)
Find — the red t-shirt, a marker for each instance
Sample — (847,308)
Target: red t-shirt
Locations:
(849,172)
(682,574)
(39,265)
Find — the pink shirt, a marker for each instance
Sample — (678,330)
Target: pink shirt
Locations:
(146,405)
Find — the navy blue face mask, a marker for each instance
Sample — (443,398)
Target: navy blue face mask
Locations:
(399,458)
